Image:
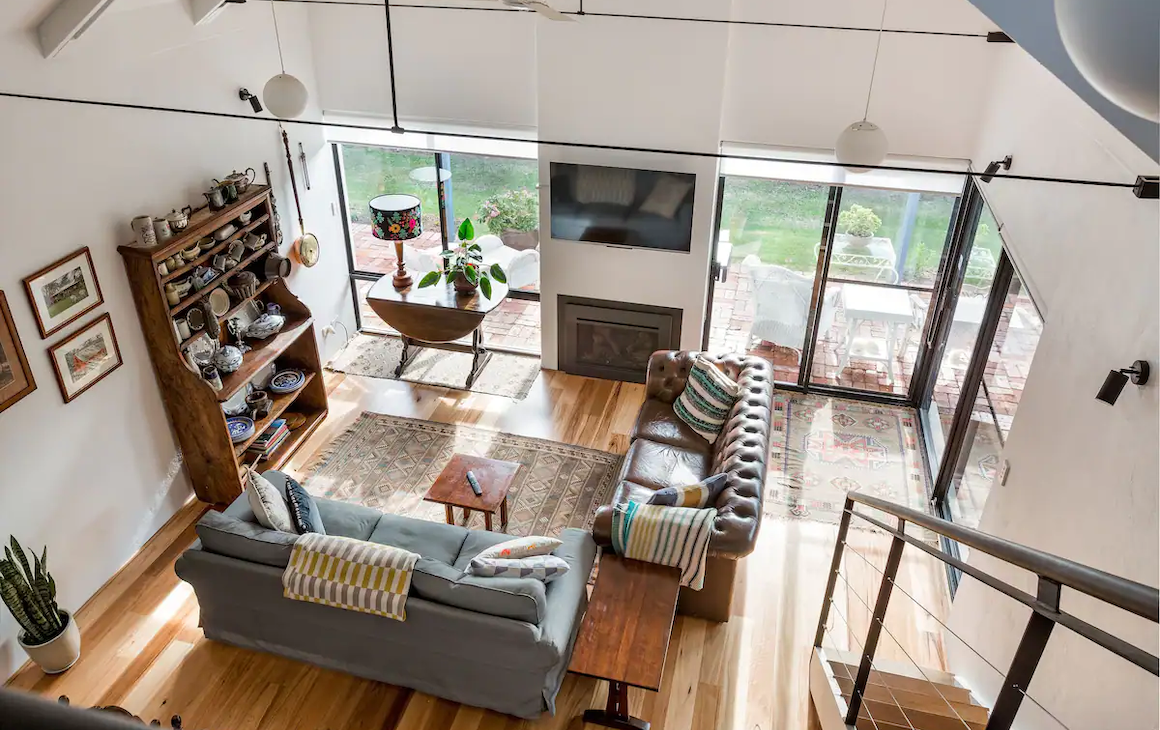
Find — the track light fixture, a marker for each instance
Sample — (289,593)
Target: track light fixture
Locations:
(989,174)
(1117,379)
(255,102)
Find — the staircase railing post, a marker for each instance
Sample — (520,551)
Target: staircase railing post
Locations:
(1026,659)
(893,560)
(835,566)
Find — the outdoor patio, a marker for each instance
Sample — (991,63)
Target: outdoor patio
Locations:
(516,325)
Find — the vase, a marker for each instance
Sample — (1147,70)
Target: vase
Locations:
(461,284)
(520,240)
(58,653)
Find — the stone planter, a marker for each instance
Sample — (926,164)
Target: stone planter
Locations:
(520,240)
(857,244)
(57,654)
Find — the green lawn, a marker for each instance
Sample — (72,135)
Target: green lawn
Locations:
(372,171)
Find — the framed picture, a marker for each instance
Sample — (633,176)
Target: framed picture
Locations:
(15,376)
(63,291)
(85,357)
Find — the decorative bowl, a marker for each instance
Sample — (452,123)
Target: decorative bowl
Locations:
(240,428)
(228,359)
(276,266)
(206,243)
(244,218)
(189,254)
(294,420)
(219,302)
(287,381)
(224,232)
(195,318)
(264,326)
(183,286)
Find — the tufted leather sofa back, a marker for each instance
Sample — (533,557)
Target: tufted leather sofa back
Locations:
(742,448)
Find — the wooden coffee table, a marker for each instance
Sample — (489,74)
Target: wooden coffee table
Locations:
(452,490)
(436,316)
(625,634)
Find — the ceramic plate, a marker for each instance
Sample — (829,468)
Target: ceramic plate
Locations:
(287,381)
(240,428)
(219,301)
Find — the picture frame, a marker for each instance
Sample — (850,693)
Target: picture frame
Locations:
(16,379)
(63,291)
(85,357)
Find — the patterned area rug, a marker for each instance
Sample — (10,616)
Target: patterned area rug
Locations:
(823,448)
(388,463)
(377,356)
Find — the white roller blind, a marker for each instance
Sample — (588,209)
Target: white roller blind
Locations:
(774,168)
(445,141)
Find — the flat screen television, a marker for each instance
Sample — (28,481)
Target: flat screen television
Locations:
(622,207)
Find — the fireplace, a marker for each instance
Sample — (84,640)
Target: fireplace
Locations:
(613,340)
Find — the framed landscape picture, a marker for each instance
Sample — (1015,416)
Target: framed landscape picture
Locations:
(85,357)
(15,376)
(63,291)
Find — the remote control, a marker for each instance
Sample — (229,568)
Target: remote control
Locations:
(474,484)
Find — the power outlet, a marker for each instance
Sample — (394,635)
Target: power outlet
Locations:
(328,330)
(1004,472)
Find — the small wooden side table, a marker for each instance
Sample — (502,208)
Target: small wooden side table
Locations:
(625,634)
(452,490)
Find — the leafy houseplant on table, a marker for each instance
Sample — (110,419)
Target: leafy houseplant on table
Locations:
(514,216)
(860,224)
(49,635)
(464,266)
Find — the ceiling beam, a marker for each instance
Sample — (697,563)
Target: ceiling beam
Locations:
(203,11)
(67,22)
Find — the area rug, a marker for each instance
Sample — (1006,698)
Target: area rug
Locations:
(377,356)
(823,448)
(388,463)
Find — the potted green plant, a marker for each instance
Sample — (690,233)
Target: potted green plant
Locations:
(48,633)
(514,216)
(464,266)
(860,224)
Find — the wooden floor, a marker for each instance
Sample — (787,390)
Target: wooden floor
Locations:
(143,649)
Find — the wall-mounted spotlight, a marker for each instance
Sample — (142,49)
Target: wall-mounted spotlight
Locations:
(989,174)
(1117,379)
(255,102)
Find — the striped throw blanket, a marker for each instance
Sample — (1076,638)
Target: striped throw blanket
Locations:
(351,574)
(676,536)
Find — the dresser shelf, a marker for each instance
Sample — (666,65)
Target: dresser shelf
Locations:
(214,463)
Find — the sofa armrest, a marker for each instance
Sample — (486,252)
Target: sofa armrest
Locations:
(567,596)
(602,526)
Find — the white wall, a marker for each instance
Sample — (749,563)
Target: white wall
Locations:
(1084,475)
(95,478)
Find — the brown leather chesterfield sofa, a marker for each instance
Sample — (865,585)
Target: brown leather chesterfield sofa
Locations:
(665,452)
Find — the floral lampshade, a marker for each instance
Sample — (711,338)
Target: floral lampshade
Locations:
(396,217)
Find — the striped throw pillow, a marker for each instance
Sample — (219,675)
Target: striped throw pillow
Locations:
(702,494)
(541,567)
(708,397)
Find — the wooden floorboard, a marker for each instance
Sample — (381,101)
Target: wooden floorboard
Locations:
(144,650)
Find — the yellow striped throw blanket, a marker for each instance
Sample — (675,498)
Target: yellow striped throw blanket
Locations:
(676,536)
(347,573)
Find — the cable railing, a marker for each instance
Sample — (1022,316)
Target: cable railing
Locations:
(1053,573)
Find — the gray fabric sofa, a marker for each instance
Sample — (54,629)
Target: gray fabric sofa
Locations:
(498,643)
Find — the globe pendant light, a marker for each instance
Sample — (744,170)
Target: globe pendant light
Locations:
(284,95)
(864,143)
(1114,45)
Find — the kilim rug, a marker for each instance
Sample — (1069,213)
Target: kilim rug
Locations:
(389,463)
(822,448)
(377,356)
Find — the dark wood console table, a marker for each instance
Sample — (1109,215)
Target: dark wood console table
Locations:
(625,634)
(436,316)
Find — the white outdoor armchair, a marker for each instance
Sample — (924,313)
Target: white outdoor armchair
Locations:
(781,303)
(522,267)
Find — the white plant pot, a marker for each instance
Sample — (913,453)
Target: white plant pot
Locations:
(57,654)
(858,243)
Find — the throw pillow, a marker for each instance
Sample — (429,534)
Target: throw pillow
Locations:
(267,503)
(303,510)
(521,547)
(702,494)
(542,567)
(708,397)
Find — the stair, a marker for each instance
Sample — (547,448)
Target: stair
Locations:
(897,697)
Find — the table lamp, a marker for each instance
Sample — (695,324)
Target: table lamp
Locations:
(397,218)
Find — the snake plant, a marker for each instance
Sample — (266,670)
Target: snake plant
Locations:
(30,594)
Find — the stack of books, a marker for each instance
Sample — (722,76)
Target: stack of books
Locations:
(270,440)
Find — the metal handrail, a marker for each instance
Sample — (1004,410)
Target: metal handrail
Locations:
(1129,595)
(1053,574)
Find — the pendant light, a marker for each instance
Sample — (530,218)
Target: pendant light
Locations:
(1113,44)
(864,142)
(285,95)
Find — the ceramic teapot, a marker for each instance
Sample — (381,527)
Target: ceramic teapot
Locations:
(179,219)
(242,180)
(228,359)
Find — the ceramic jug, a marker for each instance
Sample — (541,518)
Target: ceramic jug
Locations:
(215,197)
